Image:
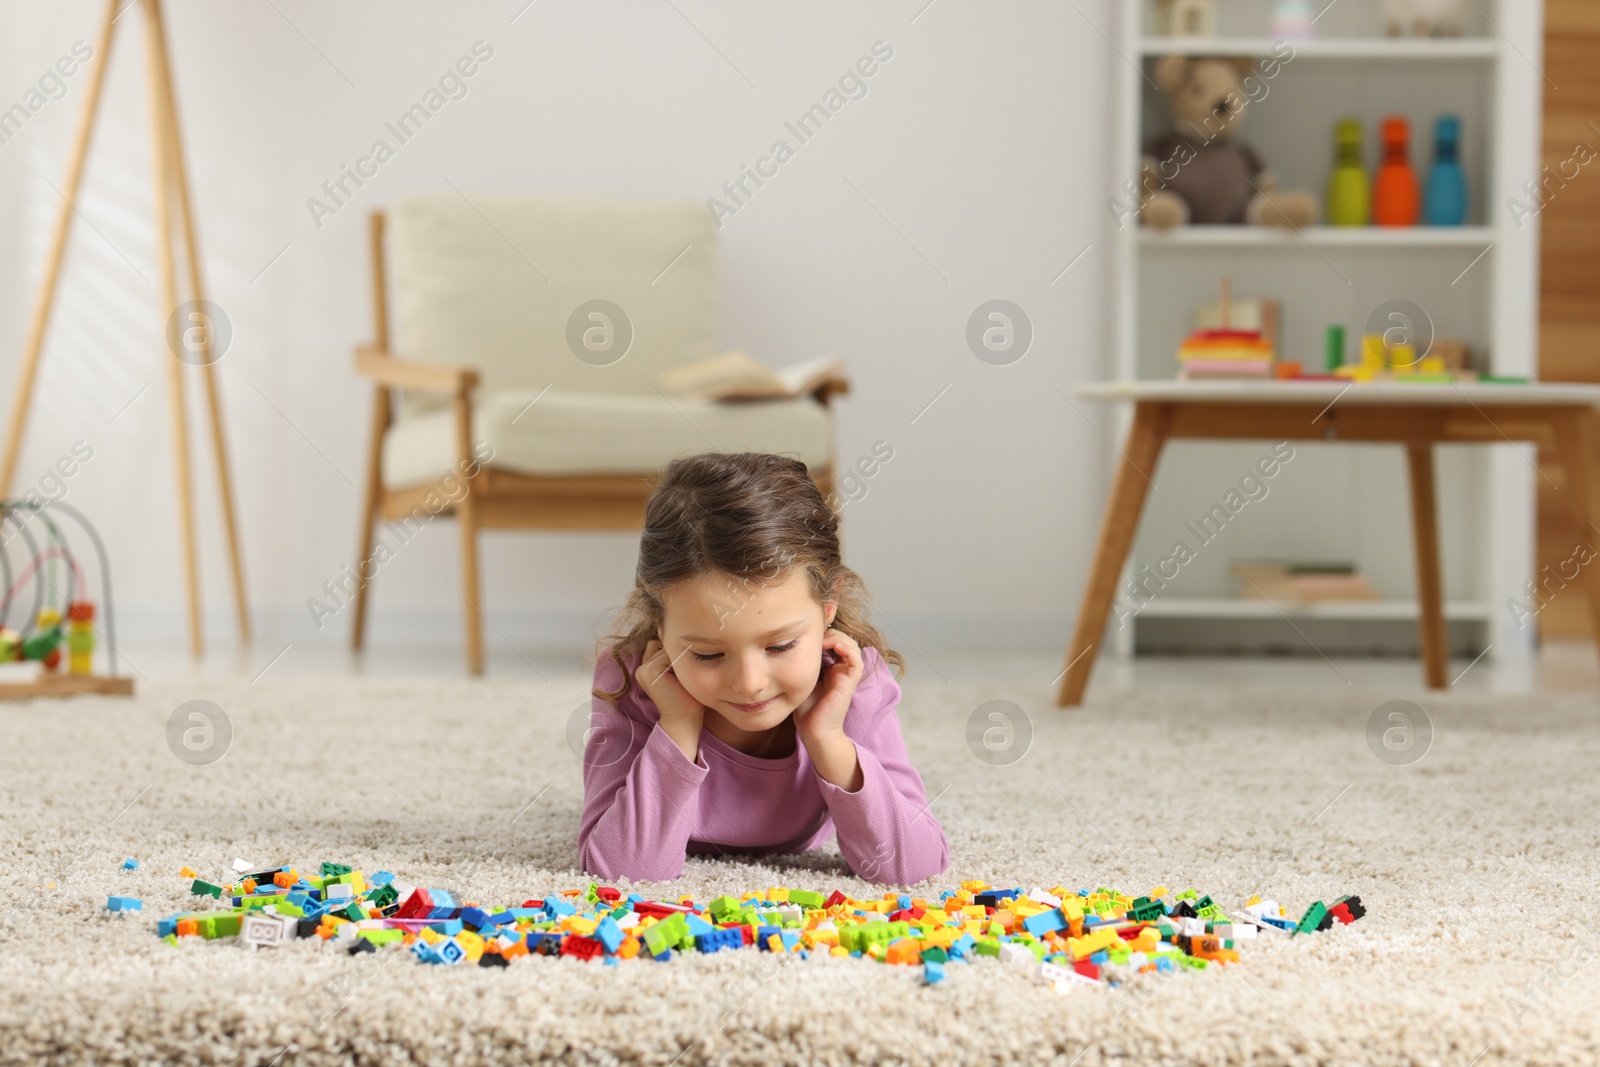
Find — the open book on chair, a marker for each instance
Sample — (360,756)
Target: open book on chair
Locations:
(735,376)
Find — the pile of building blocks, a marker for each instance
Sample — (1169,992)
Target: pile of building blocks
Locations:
(1066,938)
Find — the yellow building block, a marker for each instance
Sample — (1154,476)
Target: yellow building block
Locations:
(1089,944)
(471,943)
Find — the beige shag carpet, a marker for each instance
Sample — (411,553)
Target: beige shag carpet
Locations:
(1477,865)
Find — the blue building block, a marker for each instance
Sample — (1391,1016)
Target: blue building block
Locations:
(718,939)
(697,925)
(448,927)
(764,932)
(557,907)
(130,864)
(169,925)
(504,918)
(962,946)
(790,939)
(609,934)
(905,901)
(124,904)
(932,972)
(1045,922)
(380,878)
(475,917)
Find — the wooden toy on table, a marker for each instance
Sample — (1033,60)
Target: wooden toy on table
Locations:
(1226,351)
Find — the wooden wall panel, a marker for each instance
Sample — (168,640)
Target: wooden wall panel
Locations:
(1569,268)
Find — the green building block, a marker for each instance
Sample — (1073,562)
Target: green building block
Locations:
(382,937)
(384,895)
(1147,912)
(334,870)
(220,924)
(935,954)
(723,907)
(206,889)
(806,898)
(353,913)
(987,946)
(1311,921)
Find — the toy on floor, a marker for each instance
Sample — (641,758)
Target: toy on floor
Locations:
(44,585)
(1064,938)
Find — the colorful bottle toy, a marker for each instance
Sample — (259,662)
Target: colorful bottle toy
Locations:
(1396,201)
(1447,182)
(80,638)
(1349,195)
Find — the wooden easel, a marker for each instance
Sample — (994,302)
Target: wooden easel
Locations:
(171,183)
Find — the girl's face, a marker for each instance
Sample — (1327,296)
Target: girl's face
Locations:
(750,653)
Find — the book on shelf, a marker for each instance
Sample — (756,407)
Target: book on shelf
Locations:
(1301,581)
(734,375)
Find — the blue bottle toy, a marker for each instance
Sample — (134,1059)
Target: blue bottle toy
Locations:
(1446,198)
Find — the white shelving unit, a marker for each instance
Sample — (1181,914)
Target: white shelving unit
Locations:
(1478,281)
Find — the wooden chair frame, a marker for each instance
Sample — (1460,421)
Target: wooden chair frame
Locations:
(494,499)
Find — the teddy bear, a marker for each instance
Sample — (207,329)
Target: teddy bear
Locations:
(1200,172)
(1424,18)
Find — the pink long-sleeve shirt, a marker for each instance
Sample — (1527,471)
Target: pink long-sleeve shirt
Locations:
(646,806)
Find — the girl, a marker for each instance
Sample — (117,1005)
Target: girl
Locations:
(746,706)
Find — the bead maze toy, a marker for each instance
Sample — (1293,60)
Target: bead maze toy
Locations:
(44,587)
(1065,939)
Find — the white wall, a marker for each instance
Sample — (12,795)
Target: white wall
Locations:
(983,141)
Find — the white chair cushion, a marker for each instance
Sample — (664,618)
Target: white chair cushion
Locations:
(596,433)
(492,284)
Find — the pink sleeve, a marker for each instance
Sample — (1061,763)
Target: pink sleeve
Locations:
(639,790)
(887,829)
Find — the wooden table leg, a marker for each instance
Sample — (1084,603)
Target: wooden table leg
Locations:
(1575,439)
(1139,456)
(1430,590)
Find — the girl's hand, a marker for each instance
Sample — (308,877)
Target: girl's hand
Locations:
(831,700)
(682,716)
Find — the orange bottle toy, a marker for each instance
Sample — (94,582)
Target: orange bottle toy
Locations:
(1396,198)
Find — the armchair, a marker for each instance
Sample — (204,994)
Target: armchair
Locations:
(483,364)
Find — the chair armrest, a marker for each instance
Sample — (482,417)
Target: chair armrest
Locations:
(829,388)
(385,369)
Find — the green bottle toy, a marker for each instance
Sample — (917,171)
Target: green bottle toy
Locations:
(1349,195)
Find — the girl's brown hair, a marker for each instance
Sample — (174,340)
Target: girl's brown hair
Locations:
(753,516)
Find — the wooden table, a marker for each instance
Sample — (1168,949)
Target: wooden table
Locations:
(1415,416)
